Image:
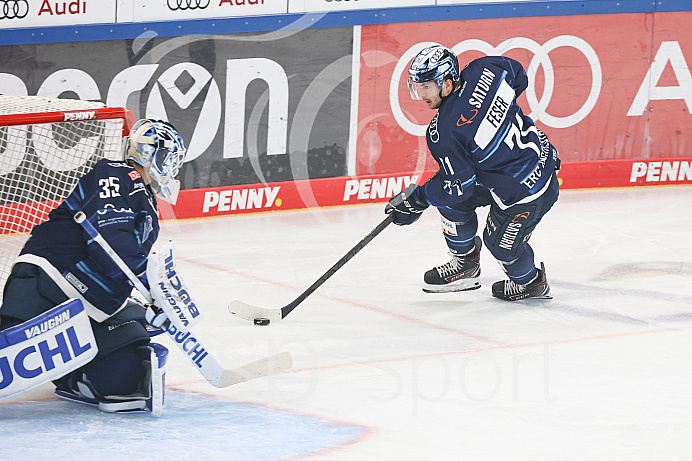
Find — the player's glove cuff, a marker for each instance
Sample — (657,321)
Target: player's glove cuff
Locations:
(407,206)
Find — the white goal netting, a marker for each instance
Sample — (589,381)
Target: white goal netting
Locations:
(46,145)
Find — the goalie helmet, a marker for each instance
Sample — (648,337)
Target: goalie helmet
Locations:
(159,149)
(432,64)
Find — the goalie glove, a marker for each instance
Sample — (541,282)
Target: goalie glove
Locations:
(407,206)
(155,319)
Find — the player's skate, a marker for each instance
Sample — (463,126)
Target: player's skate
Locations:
(149,396)
(459,274)
(510,291)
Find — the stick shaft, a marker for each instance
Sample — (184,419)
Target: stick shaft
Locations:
(81,219)
(338,265)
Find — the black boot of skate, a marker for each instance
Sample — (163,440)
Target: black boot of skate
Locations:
(459,274)
(538,288)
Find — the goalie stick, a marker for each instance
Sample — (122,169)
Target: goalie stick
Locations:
(263,316)
(188,343)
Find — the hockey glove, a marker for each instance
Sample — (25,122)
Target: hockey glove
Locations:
(407,206)
(155,320)
(156,317)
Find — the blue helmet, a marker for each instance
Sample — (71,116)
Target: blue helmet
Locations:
(433,63)
(159,149)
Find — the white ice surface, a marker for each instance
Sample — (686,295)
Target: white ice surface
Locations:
(383,371)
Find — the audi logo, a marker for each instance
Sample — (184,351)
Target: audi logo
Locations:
(175,5)
(14,9)
(432,129)
(540,59)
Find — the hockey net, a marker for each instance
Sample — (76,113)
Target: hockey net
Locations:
(46,145)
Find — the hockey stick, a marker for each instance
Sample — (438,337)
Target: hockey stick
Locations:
(189,344)
(263,316)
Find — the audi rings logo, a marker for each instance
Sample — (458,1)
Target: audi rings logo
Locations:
(182,5)
(432,129)
(14,9)
(540,58)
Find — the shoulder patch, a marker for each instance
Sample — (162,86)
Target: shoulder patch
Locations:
(134,175)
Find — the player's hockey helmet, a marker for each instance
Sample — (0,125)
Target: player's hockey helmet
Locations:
(432,63)
(159,149)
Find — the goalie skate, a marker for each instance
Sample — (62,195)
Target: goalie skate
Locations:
(459,274)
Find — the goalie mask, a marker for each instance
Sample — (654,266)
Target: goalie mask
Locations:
(431,66)
(159,149)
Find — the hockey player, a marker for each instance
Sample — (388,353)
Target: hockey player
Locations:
(489,153)
(60,262)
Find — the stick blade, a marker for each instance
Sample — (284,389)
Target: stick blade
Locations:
(250,313)
(258,369)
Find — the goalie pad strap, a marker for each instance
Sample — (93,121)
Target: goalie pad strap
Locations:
(45,348)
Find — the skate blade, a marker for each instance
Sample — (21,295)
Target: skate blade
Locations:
(459,285)
(529,298)
(548,296)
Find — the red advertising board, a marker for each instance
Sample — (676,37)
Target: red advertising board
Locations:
(325,192)
(290,195)
(621,173)
(603,87)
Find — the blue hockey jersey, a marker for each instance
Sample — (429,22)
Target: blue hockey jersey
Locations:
(123,209)
(480,136)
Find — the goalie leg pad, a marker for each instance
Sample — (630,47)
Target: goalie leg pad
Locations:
(45,348)
(156,356)
(150,393)
(88,386)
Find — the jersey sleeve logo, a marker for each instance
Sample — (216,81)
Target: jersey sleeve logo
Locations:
(134,175)
(465,121)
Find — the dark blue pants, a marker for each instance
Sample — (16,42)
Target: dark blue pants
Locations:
(507,231)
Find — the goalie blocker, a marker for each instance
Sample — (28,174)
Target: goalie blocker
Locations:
(168,291)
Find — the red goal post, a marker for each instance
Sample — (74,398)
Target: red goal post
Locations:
(46,145)
(105,113)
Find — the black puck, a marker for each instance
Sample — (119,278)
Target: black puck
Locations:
(261,321)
